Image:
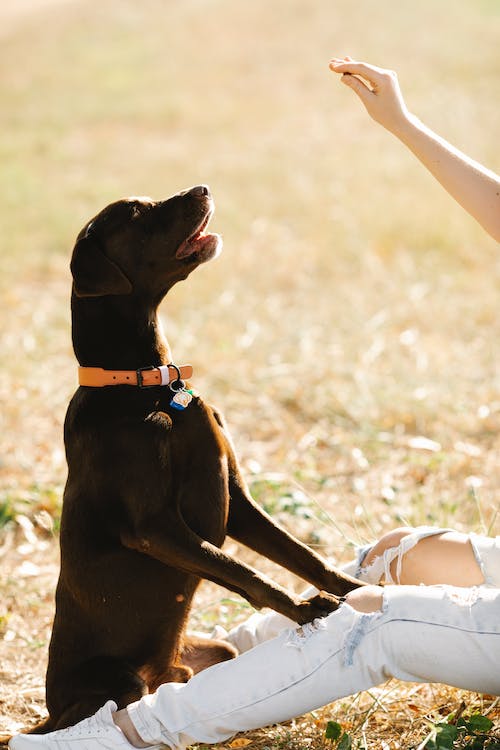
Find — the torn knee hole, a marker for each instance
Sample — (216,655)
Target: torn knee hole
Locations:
(384,561)
(391,540)
(300,635)
(366,599)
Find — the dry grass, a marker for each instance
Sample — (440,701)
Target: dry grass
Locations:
(353,310)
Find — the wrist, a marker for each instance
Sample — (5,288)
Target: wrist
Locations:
(406,126)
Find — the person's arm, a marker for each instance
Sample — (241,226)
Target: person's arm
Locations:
(474,187)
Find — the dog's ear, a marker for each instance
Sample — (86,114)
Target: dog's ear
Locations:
(95,275)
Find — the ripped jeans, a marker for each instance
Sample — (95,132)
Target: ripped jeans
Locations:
(421,634)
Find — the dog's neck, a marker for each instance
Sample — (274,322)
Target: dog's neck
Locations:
(117,333)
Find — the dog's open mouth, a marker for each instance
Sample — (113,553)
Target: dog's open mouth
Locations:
(201,245)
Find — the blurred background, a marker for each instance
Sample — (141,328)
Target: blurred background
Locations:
(348,331)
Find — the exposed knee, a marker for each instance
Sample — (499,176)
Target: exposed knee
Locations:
(366,598)
(390,540)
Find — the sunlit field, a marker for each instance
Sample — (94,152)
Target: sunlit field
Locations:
(349,329)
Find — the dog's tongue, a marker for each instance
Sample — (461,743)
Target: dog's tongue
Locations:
(190,245)
(204,245)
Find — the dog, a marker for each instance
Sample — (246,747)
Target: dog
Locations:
(153,483)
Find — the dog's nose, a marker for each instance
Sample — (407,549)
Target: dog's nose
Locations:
(200,190)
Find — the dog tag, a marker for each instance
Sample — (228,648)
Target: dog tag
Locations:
(182,397)
(181,400)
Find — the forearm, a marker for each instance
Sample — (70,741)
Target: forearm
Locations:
(474,187)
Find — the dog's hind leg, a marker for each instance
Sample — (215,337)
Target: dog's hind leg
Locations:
(199,652)
(89,686)
(196,653)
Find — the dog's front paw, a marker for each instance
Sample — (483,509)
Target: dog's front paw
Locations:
(318,606)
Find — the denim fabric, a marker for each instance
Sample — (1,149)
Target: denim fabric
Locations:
(487,552)
(423,634)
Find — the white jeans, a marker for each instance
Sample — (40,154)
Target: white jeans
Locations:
(422,634)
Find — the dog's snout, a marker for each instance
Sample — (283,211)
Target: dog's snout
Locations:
(199,191)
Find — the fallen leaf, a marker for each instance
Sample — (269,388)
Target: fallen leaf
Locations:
(423,443)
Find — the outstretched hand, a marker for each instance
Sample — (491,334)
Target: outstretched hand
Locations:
(473,186)
(377,88)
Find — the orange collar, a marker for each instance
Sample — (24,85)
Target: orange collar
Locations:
(144,377)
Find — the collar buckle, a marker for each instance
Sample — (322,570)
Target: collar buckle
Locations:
(140,380)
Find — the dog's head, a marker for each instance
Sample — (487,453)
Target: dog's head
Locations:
(137,245)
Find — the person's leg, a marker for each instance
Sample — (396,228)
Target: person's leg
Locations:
(430,634)
(487,553)
(423,555)
(363,600)
(405,555)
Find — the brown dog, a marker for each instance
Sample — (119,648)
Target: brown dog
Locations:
(153,488)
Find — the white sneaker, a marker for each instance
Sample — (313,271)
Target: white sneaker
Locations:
(98,732)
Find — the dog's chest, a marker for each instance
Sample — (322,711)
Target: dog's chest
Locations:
(140,453)
(199,471)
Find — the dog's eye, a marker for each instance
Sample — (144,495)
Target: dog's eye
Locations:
(138,205)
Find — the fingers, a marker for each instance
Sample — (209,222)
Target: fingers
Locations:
(347,65)
(377,88)
(357,85)
(375,76)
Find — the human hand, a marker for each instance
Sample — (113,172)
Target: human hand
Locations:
(377,88)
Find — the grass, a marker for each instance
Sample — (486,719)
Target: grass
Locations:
(352,313)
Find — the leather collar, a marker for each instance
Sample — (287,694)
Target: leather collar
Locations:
(144,377)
